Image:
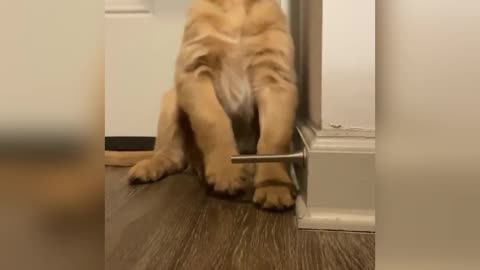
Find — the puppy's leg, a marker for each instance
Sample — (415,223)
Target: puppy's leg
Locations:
(213,133)
(276,100)
(169,152)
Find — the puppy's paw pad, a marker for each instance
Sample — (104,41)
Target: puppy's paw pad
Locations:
(146,171)
(227,181)
(275,197)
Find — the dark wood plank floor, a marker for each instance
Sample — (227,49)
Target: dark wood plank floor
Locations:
(174,224)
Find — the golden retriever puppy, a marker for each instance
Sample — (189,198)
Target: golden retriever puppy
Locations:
(235,93)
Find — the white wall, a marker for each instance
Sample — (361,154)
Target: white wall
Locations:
(140,58)
(142,42)
(348,64)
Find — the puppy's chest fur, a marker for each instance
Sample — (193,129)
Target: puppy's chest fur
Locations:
(233,86)
(236,94)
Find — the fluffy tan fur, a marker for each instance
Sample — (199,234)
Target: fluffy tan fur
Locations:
(235,92)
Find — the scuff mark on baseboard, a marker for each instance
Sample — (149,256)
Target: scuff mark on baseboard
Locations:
(335,126)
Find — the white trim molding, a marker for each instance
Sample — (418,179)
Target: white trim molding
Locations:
(128,6)
(334,219)
(338,183)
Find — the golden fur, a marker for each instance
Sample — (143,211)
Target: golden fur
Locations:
(235,93)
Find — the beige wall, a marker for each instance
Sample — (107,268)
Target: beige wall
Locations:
(428,148)
(50,56)
(336,62)
(348,64)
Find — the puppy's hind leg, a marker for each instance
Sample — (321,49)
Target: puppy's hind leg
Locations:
(169,154)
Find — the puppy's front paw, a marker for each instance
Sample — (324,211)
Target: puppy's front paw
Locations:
(228,179)
(274,197)
(148,171)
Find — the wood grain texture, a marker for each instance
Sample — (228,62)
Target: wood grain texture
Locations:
(174,224)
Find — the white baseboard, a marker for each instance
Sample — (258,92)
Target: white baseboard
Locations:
(312,218)
(337,186)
